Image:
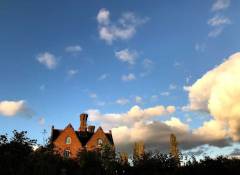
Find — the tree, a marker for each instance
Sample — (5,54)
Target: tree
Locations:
(174,148)
(138,152)
(108,158)
(15,153)
(89,162)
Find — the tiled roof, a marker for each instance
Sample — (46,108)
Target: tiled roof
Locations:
(55,134)
(109,136)
(82,136)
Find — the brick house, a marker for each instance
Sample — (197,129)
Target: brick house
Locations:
(69,142)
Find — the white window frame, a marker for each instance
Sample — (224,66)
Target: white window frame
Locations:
(68,140)
(99,140)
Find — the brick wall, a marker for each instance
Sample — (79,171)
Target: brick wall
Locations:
(75,145)
(92,143)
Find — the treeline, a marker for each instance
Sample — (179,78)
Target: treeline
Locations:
(18,157)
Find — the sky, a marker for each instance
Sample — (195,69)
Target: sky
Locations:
(143,69)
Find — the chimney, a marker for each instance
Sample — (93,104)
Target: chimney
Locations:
(83,122)
(91,129)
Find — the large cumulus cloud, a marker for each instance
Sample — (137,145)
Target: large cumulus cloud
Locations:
(218,93)
(139,124)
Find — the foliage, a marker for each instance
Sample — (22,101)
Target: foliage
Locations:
(18,157)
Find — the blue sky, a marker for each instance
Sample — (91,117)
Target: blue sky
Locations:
(54,57)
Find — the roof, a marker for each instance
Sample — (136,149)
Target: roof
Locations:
(84,137)
(110,138)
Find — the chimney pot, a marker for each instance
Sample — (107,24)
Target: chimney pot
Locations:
(83,122)
(91,128)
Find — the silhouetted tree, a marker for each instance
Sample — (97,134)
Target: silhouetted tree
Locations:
(89,162)
(17,157)
(15,153)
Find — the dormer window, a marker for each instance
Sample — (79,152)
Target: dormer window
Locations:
(99,142)
(68,140)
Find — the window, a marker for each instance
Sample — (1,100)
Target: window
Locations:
(99,142)
(66,153)
(68,140)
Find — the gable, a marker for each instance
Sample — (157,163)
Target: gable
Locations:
(60,142)
(99,134)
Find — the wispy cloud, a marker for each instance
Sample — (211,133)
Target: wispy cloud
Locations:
(47,59)
(218,20)
(220,5)
(73,49)
(127,56)
(122,101)
(103,76)
(200,47)
(128,77)
(172,87)
(41,120)
(138,100)
(93,95)
(101,103)
(123,29)
(72,72)
(215,32)
(165,93)
(148,66)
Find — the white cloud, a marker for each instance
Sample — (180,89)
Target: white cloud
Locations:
(138,124)
(220,5)
(200,47)
(138,99)
(93,95)
(135,114)
(165,93)
(189,119)
(218,93)
(148,66)
(101,103)
(72,72)
(126,55)
(103,76)
(128,77)
(103,16)
(215,32)
(172,86)
(41,121)
(154,134)
(154,97)
(171,109)
(13,108)
(73,49)
(212,129)
(47,59)
(123,29)
(218,20)
(218,23)
(176,123)
(147,63)
(177,64)
(122,101)
(188,78)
